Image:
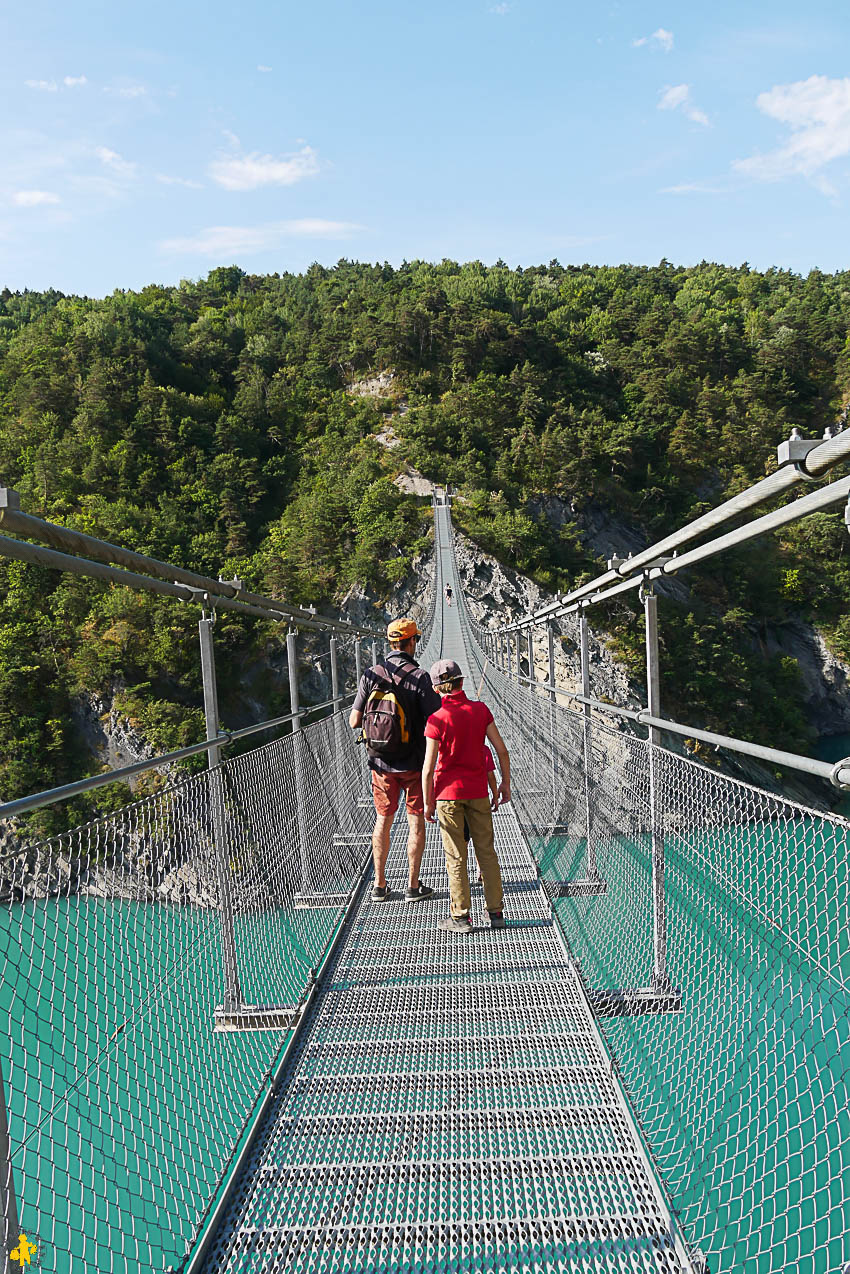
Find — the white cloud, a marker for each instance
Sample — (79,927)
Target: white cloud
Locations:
(817,111)
(662,39)
(126,88)
(52,86)
(112,160)
(228,241)
(673,97)
(694,188)
(32,198)
(178,181)
(678,97)
(247,172)
(264,69)
(501,9)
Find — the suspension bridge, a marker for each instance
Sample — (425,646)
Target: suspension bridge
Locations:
(222,1055)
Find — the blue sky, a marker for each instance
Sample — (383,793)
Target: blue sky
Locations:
(149,143)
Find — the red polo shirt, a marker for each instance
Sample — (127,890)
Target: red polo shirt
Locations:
(460,727)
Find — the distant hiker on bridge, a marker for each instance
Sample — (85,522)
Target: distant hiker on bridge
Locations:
(393,702)
(454,783)
(449,594)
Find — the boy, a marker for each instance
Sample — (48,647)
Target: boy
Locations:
(454,782)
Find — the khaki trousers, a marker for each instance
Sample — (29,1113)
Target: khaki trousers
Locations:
(479,816)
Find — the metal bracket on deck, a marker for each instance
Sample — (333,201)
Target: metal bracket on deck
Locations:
(256,1017)
(633,1002)
(589,887)
(308,902)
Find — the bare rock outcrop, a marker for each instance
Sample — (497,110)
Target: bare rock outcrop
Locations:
(496,594)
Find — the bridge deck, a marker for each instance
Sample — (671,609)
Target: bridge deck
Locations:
(449,1104)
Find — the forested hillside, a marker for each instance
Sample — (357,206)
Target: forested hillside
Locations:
(211,424)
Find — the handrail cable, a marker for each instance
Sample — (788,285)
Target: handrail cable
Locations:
(162,577)
(818,459)
(52,796)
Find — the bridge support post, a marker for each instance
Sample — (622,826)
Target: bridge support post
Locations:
(358,673)
(550,652)
(553,743)
(532,680)
(592,883)
(337,732)
(298,758)
(374,653)
(232,991)
(660,978)
(584,639)
(8,1200)
(518,655)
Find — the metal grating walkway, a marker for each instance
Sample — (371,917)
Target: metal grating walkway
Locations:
(448,1104)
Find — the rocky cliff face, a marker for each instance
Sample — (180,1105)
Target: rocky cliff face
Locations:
(106,735)
(825,677)
(496,594)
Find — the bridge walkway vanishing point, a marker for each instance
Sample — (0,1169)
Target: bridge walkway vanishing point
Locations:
(448,1103)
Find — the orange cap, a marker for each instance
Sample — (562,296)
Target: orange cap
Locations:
(403,629)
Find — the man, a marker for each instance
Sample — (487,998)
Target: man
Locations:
(409,688)
(454,782)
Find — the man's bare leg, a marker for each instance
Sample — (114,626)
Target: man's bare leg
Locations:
(415,846)
(381,847)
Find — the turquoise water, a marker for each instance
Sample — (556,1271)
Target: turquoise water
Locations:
(833,747)
(128,1100)
(743,1095)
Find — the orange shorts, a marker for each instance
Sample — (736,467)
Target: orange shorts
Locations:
(387,790)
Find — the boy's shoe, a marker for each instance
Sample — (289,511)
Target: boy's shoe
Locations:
(380,893)
(497,919)
(417,892)
(456,924)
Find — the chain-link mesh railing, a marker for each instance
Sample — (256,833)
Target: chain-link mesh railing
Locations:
(743,1090)
(129,1079)
(153,960)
